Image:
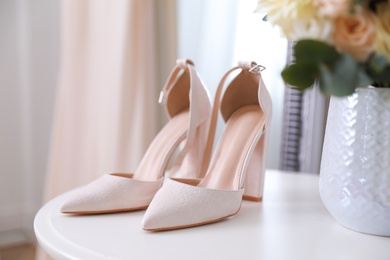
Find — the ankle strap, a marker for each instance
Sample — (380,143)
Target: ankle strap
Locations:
(181,64)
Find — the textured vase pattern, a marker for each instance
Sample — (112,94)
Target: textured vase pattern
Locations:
(355,166)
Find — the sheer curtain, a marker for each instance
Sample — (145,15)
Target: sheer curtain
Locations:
(106,108)
(206,32)
(106,112)
(28,74)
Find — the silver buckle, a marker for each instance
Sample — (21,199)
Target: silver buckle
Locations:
(257,69)
(161,98)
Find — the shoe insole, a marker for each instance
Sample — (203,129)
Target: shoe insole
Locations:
(156,158)
(235,142)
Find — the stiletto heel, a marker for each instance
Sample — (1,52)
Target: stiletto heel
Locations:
(238,162)
(187,103)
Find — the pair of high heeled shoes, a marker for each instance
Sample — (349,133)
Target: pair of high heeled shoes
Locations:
(206,191)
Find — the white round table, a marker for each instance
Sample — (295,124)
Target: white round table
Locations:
(291,223)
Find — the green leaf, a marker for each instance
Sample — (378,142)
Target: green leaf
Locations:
(377,63)
(378,68)
(362,79)
(384,76)
(341,79)
(301,75)
(315,51)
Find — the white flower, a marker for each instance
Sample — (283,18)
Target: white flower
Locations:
(297,19)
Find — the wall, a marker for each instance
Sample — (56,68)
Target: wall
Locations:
(28,72)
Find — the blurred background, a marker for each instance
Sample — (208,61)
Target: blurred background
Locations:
(79,83)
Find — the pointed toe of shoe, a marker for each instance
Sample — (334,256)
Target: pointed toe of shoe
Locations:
(88,200)
(152,222)
(111,193)
(159,214)
(83,201)
(72,206)
(178,205)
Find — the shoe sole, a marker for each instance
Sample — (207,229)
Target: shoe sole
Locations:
(103,211)
(191,225)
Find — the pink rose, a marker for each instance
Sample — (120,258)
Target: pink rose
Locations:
(355,34)
(332,8)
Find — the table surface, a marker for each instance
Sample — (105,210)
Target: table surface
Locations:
(290,223)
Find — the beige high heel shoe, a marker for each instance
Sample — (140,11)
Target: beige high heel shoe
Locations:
(188,106)
(238,165)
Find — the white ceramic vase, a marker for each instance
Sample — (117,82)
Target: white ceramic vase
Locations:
(355,166)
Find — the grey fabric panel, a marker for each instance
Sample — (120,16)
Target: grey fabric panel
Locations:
(292,124)
(314,113)
(292,130)
(304,116)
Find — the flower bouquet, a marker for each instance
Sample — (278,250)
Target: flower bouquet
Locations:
(345,45)
(342,44)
